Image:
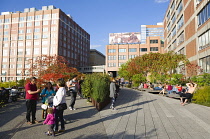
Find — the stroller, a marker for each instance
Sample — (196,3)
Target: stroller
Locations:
(48,104)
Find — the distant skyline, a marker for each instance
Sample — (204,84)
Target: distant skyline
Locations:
(101,17)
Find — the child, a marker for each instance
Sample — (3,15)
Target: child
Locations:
(50,121)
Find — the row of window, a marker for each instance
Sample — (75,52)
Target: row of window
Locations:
(204,15)
(176,42)
(29,18)
(133,50)
(30,24)
(121,57)
(114,64)
(204,40)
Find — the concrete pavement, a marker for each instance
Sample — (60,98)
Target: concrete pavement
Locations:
(138,115)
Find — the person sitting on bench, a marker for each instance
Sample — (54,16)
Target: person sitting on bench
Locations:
(189,94)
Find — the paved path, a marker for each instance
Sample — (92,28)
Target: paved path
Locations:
(139,115)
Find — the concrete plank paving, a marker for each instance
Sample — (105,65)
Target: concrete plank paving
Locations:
(139,115)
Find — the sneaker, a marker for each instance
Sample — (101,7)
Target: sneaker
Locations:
(35,122)
(56,132)
(29,123)
(111,107)
(70,108)
(61,130)
(47,133)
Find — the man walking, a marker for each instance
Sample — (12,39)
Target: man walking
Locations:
(73,87)
(31,100)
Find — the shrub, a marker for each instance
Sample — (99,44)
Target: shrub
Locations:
(202,80)
(96,85)
(138,78)
(202,95)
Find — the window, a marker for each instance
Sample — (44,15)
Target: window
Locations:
(180,38)
(53,28)
(36,42)
(20,51)
(45,29)
(36,36)
(44,36)
(6,26)
(203,40)
(21,25)
(111,50)
(5,39)
(44,50)
(28,31)
(28,37)
(122,50)
(5,45)
(153,48)
(205,64)
(12,52)
(4,60)
(45,22)
(20,43)
(180,23)
(20,31)
(44,42)
(173,18)
(37,23)
(111,57)
(54,15)
(19,59)
(38,17)
(122,57)
(143,49)
(111,64)
(46,16)
(7,20)
(119,64)
(20,37)
(131,56)
(28,43)
(22,19)
(28,51)
(132,50)
(30,18)
(19,66)
(29,24)
(4,66)
(204,15)
(153,41)
(173,31)
(37,30)
(180,7)
(36,51)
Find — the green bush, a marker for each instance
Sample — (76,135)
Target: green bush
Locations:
(137,79)
(202,96)
(96,85)
(202,80)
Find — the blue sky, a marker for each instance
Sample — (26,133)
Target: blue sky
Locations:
(101,17)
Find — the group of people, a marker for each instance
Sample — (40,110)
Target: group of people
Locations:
(54,113)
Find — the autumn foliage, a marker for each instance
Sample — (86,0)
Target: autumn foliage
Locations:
(50,68)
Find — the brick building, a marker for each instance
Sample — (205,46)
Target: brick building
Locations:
(31,33)
(187,30)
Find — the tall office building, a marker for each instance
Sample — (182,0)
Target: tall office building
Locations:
(124,46)
(151,31)
(29,34)
(187,30)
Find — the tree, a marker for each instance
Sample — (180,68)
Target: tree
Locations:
(50,68)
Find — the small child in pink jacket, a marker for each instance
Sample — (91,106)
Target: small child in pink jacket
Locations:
(50,121)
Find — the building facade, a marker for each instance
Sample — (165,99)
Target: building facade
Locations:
(96,58)
(119,53)
(187,30)
(32,33)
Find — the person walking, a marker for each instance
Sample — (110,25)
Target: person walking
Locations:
(73,87)
(31,100)
(122,82)
(113,93)
(58,99)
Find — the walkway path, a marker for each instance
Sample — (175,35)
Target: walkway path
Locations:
(139,115)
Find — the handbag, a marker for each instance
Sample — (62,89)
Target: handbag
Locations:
(62,106)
